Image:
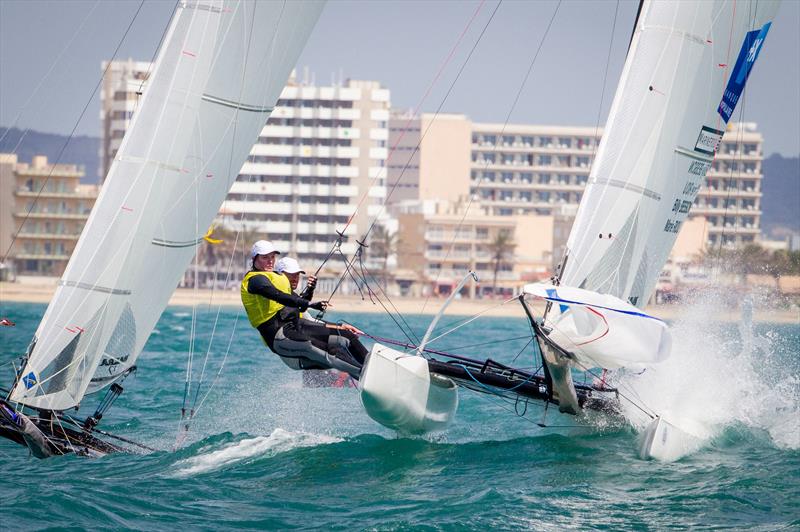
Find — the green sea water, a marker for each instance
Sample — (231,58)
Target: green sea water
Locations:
(266,453)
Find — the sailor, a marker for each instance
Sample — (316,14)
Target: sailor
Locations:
(340,340)
(273,310)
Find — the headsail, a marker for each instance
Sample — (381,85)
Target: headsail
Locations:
(683,76)
(220,70)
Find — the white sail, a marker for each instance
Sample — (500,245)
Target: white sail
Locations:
(686,69)
(219,72)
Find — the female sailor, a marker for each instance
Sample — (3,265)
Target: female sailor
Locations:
(274,310)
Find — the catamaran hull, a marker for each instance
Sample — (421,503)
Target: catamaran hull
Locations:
(399,391)
(665,442)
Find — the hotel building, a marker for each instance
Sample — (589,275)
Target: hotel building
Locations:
(525,171)
(123,86)
(48,206)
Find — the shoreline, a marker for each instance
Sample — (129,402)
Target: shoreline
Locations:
(186,297)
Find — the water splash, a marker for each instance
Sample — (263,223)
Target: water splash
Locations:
(279,441)
(719,377)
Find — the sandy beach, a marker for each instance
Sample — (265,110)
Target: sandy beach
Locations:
(32,293)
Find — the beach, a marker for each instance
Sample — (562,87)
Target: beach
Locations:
(187,297)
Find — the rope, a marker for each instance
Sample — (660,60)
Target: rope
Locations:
(475,317)
(419,107)
(235,122)
(41,82)
(497,141)
(424,133)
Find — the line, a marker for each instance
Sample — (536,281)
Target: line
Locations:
(627,186)
(175,244)
(94,288)
(237,105)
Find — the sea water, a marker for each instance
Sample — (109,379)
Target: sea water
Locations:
(263,452)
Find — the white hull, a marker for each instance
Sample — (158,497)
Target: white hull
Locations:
(399,392)
(664,441)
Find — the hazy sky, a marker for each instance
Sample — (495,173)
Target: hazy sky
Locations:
(57,46)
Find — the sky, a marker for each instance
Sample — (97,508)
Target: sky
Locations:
(50,55)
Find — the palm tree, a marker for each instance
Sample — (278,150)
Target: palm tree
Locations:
(383,244)
(501,247)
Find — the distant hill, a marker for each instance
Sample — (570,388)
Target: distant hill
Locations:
(81,150)
(781,195)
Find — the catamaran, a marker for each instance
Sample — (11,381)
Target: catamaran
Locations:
(219,72)
(684,74)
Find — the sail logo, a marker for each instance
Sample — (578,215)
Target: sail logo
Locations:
(751,47)
(30,380)
(708,140)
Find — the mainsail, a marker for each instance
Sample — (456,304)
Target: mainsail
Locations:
(217,76)
(685,71)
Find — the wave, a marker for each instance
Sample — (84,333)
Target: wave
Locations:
(279,441)
(718,377)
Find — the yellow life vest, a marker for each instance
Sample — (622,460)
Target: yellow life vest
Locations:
(260,309)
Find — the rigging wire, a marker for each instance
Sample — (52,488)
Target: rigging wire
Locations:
(414,113)
(436,114)
(71,134)
(497,141)
(41,82)
(738,163)
(229,172)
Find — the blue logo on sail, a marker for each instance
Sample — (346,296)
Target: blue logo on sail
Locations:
(29,380)
(752,45)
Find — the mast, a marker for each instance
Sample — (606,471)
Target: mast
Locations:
(221,69)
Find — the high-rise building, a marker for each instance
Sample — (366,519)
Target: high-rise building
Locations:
(318,165)
(47,207)
(539,170)
(122,88)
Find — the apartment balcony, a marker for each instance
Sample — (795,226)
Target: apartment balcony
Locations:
(40,256)
(316,229)
(53,194)
(435,236)
(721,211)
(51,173)
(730,229)
(732,192)
(47,236)
(454,256)
(52,215)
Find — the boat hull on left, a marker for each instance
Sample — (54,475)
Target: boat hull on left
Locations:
(48,434)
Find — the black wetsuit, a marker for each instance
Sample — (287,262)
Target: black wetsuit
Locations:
(293,304)
(294,327)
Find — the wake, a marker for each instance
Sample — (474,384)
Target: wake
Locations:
(280,441)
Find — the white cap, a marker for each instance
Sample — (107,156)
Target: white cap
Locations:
(288,265)
(262,247)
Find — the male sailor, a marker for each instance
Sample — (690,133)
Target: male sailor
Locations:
(341,339)
(274,310)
